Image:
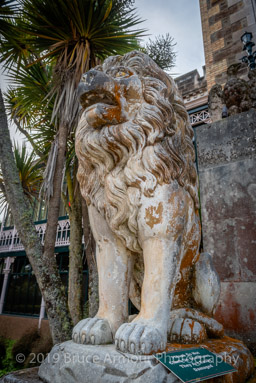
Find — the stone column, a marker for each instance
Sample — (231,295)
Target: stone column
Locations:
(7,269)
(42,313)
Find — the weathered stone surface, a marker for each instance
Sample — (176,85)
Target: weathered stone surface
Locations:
(138,176)
(231,139)
(227,163)
(236,92)
(29,375)
(236,310)
(73,363)
(215,102)
(206,286)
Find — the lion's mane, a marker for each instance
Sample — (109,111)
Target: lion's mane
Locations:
(120,162)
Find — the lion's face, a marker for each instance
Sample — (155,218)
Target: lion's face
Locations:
(110,95)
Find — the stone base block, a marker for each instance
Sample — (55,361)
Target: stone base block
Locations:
(74,363)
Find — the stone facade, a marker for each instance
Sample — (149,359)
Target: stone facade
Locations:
(193,88)
(223,23)
(227,163)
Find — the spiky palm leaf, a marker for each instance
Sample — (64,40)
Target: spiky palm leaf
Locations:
(72,34)
(30,173)
(26,98)
(7,10)
(29,108)
(13,46)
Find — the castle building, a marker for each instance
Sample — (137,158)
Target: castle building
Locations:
(193,89)
(223,24)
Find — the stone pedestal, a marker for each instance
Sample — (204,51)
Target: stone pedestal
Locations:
(75,363)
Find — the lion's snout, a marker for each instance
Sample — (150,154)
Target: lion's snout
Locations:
(92,81)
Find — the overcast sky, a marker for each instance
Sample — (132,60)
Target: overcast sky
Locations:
(181,19)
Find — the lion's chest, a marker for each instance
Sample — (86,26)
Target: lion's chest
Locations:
(134,217)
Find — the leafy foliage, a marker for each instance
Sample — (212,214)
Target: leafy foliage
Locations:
(161,50)
(7,361)
(7,10)
(72,35)
(30,173)
(27,105)
(26,98)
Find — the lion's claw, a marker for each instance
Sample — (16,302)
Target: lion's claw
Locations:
(138,338)
(92,331)
(187,331)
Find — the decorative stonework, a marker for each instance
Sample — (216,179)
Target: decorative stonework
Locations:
(216,102)
(137,174)
(237,96)
(236,92)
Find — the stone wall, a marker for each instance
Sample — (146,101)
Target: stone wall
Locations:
(223,23)
(15,326)
(227,174)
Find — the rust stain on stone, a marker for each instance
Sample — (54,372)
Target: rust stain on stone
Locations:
(154,215)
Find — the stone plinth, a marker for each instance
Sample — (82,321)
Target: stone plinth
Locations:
(76,363)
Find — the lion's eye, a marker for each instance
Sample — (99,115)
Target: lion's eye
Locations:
(122,74)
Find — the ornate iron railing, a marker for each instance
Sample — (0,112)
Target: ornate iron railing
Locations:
(200,117)
(10,241)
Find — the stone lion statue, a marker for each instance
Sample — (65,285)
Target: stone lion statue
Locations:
(138,177)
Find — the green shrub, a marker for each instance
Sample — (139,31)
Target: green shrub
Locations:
(33,345)
(2,351)
(7,361)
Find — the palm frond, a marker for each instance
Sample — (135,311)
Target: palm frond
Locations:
(27,99)
(8,9)
(30,171)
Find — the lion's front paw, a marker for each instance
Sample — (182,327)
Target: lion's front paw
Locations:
(138,338)
(92,331)
(187,331)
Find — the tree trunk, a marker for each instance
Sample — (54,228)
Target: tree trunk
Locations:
(43,264)
(75,279)
(93,292)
